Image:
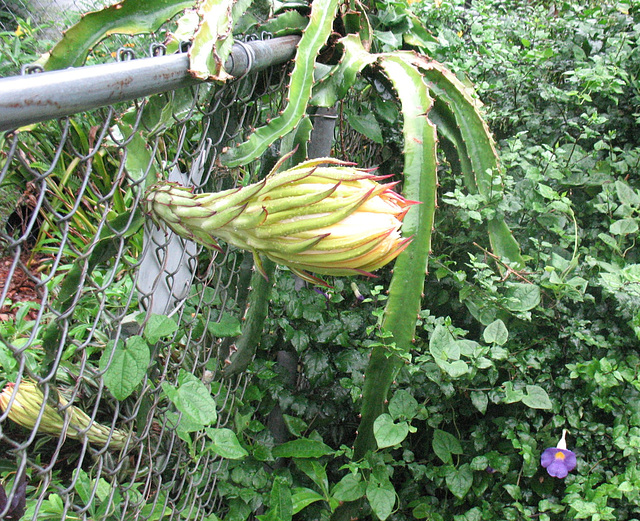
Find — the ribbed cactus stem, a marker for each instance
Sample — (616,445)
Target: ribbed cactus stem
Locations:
(405,290)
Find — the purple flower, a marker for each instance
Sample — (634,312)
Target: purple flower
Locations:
(320,292)
(558,461)
(356,292)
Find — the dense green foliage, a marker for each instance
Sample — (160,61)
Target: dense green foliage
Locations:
(17,48)
(503,360)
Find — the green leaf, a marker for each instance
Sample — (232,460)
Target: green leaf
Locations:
(183,424)
(299,340)
(454,369)
(514,491)
(366,124)
(504,244)
(302,448)
(303,497)
(281,503)
(627,195)
(288,22)
(139,162)
(192,399)
(425,510)
(442,345)
(388,433)
(159,326)
(624,227)
(127,367)
(499,353)
(585,509)
(83,486)
(126,17)
(480,401)
(496,333)
(386,111)
(459,480)
(536,398)
(227,326)
(316,473)
(226,444)
(444,445)
(483,311)
(7,361)
(296,426)
(546,191)
(403,405)
(349,488)
(512,395)
(382,497)
(388,38)
(522,297)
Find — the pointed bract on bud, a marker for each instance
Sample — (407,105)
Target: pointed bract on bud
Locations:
(330,220)
(28,405)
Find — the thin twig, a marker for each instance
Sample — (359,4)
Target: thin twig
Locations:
(510,270)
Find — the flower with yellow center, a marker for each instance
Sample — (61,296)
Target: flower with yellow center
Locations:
(558,460)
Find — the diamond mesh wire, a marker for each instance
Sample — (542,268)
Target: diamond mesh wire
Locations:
(71,189)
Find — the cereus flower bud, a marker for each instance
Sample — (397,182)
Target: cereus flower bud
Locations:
(329,220)
(28,402)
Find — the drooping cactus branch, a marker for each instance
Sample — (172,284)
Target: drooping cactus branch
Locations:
(405,291)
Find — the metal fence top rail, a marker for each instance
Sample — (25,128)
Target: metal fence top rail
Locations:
(42,96)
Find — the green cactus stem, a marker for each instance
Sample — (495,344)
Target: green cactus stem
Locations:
(405,290)
(313,39)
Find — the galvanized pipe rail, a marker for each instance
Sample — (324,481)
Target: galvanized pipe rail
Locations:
(41,96)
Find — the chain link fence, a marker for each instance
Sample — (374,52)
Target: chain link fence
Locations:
(109,324)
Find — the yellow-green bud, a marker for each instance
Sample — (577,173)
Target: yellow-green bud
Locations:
(28,403)
(330,220)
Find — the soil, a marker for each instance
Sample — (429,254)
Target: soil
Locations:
(21,287)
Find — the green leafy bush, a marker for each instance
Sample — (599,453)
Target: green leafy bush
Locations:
(503,359)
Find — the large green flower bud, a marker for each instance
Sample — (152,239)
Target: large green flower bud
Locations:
(330,220)
(29,402)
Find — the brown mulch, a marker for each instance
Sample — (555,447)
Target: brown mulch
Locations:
(21,287)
